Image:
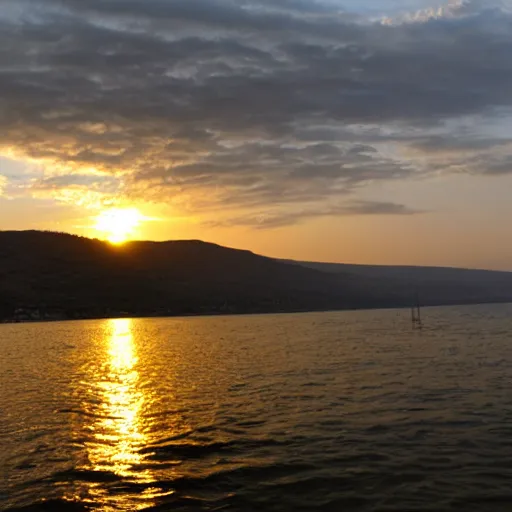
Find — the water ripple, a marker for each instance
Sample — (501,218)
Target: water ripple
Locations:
(316,412)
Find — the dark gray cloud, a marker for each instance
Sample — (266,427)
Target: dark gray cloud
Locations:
(451,144)
(247,103)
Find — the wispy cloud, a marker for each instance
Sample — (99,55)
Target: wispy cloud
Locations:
(283,217)
(3,185)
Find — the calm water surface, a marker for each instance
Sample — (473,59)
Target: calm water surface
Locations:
(331,411)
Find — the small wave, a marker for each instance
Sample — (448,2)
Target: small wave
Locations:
(88,414)
(52,506)
(84,475)
(186,450)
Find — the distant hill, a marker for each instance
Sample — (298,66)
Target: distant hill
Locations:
(433,285)
(65,276)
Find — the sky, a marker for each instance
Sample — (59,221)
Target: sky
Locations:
(368,131)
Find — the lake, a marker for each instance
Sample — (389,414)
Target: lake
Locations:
(351,411)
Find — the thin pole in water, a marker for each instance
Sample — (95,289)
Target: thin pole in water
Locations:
(416,314)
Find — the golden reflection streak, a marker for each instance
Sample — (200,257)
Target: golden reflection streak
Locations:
(117,432)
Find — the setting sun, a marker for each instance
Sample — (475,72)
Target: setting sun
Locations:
(118,224)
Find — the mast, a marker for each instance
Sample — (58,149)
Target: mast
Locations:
(416,313)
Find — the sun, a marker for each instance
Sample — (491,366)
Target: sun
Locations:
(117,225)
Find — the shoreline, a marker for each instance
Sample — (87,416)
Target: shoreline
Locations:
(10,321)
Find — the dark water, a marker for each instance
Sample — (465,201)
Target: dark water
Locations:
(320,412)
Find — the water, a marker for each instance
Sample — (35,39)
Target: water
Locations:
(320,412)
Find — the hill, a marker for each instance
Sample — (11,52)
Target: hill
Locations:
(433,285)
(64,276)
(77,277)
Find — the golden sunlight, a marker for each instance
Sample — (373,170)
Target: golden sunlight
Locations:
(117,426)
(121,404)
(117,225)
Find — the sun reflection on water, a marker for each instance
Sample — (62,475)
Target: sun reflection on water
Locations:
(117,429)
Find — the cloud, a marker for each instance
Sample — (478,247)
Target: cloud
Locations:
(281,218)
(3,185)
(491,156)
(222,105)
(452,9)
